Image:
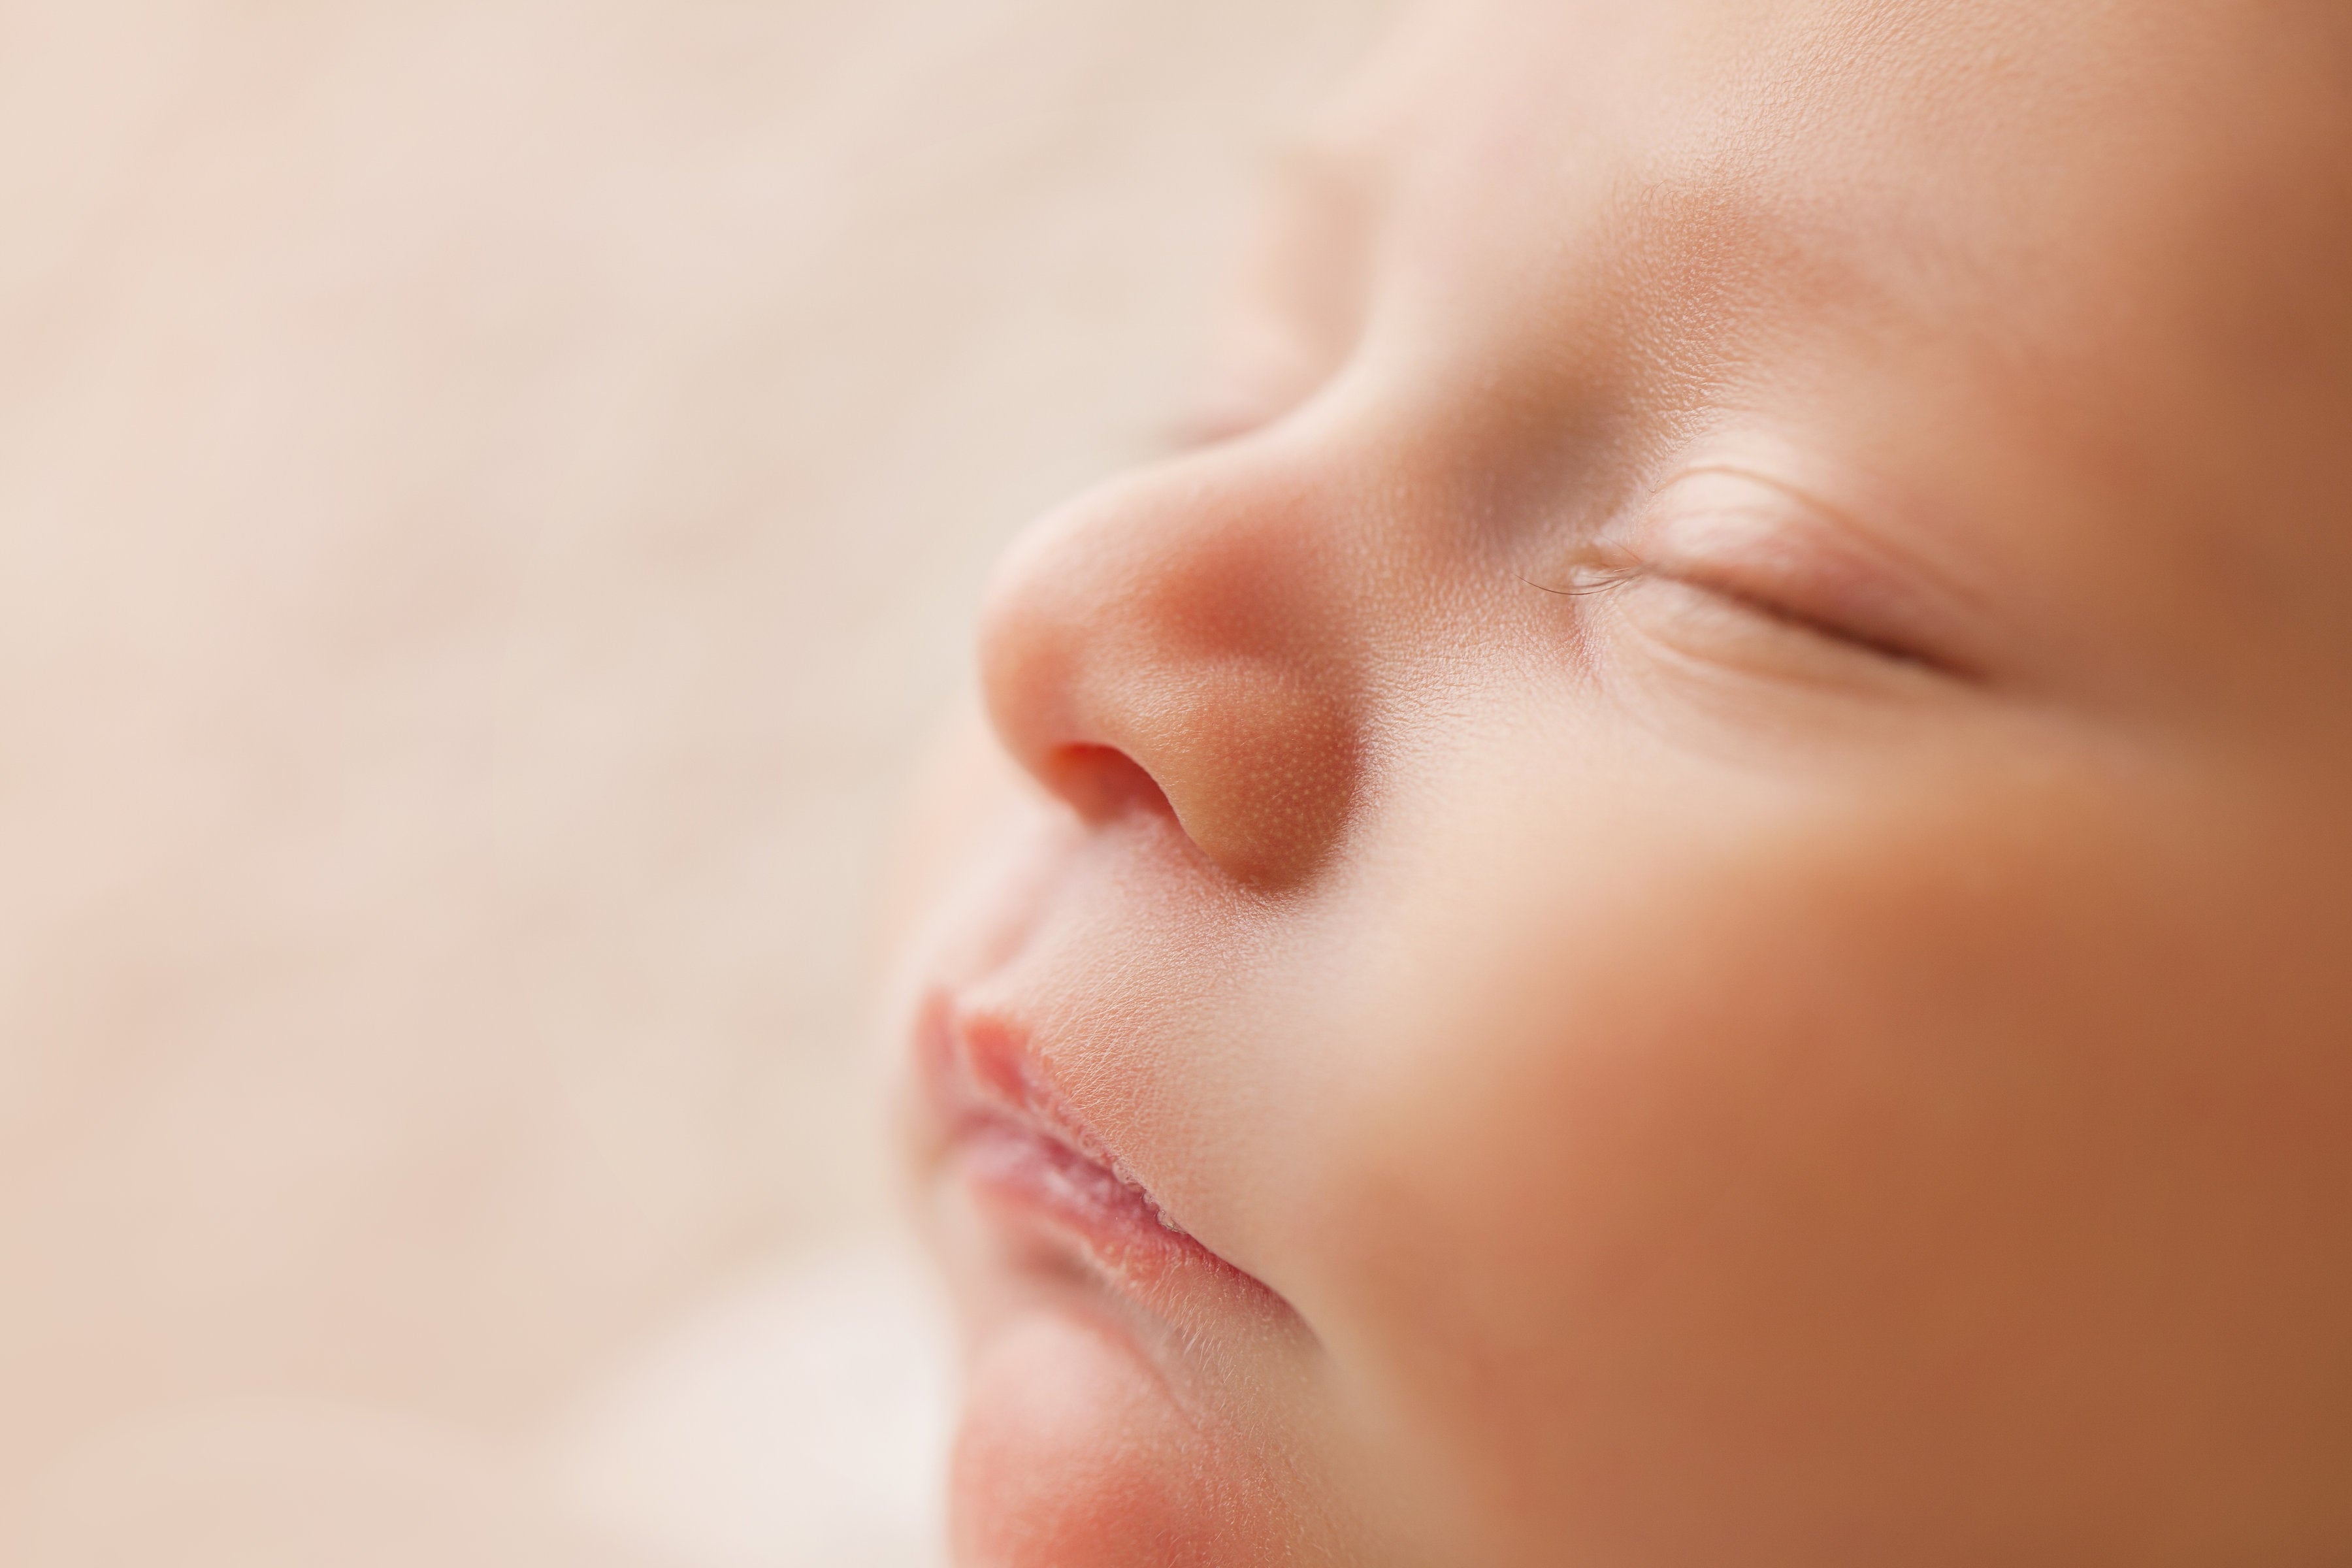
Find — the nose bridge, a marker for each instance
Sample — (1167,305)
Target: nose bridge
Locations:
(1189,626)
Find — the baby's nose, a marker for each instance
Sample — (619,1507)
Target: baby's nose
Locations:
(1180,641)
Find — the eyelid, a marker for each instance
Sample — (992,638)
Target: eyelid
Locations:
(1757,542)
(1295,305)
(1240,396)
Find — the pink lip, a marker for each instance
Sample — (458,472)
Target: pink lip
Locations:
(1042,1175)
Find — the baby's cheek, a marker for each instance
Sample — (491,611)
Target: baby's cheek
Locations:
(1073,1455)
(1774,1193)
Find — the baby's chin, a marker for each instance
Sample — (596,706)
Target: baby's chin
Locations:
(1074,1454)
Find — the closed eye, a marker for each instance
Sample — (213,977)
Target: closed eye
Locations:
(1599,578)
(1295,309)
(1726,565)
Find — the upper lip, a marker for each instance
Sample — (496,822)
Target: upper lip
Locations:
(983,1071)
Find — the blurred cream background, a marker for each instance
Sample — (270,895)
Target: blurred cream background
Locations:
(490,496)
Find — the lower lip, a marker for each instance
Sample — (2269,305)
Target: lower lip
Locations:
(1084,1214)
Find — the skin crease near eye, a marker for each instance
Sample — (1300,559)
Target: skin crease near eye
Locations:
(1675,898)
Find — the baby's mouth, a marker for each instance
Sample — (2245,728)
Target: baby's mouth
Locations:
(1062,1202)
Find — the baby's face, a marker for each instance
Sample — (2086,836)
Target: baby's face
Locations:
(1703,849)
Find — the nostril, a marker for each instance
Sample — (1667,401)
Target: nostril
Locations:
(1184,659)
(1103,781)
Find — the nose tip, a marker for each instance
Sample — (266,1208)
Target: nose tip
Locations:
(1175,649)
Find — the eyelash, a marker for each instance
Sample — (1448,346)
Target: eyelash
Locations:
(1603,575)
(1597,579)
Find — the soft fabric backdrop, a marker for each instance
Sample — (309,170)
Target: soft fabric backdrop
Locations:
(490,494)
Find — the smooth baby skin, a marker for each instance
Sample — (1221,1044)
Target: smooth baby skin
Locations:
(1701,851)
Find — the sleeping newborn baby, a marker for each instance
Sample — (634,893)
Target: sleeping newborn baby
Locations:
(1681,896)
